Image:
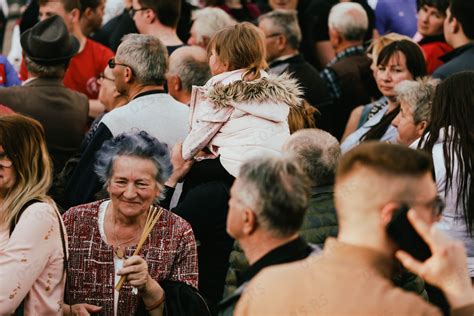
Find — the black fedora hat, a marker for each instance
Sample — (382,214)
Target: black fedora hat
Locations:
(48,42)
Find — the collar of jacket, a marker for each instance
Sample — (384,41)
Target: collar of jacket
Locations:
(456,52)
(357,256)
(268,88)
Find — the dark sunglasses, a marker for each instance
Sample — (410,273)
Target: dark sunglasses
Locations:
(112,64)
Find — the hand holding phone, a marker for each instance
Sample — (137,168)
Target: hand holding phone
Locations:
(402,232)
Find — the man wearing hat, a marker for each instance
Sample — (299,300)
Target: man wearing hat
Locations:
(63,113)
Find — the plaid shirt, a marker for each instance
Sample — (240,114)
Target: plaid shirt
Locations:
(330,76)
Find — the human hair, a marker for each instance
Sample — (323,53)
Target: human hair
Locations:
(93,4)
(463,10)
(209,20)
(440,5)
(168,12)
(350,20)
(68,5)
(23,141)
(317,152)
(452,113)
(416,65)
(191,72)
(286,23)
(241,46)
(133,144)
(385,159)
(418,94)
(301,116)
(146,55)
(277,190)
(46,71)
(377,44)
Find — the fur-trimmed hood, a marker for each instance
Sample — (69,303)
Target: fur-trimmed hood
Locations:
(268,89)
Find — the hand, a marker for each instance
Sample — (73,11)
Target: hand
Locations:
(181,167)
(136,271)
(447,266)
(83,309)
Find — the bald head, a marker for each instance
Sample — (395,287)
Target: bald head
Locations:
(188,66)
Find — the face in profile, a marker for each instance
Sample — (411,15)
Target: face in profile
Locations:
(408,130)
(388,75)
(430,21)
(108,94)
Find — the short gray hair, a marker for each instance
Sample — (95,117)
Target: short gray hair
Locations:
(286,23)
(277,190)
(350,20)
(45,71)
(137,144)
(317,152)
(191,72)
(209,20)
(146,55)
(418,94)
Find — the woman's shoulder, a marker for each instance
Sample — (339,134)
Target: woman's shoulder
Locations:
(174,222)
(83,211)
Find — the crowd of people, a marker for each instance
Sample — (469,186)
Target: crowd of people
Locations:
(238,157)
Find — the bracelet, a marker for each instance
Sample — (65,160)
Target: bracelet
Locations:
(158,303)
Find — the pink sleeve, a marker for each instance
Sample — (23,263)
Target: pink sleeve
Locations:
(206,121)
(26,254)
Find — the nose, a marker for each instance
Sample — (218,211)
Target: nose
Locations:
(191,41)
(130,191)
(384,75)
(396,120)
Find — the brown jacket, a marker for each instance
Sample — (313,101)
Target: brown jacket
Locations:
(343,280)
(62,112)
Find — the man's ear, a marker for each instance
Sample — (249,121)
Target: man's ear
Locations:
(282,41)
(87,13)
(420,128)
(176,82)
(150,16)
(249,221)
(75,15)
(454,26)
(387,213)
(128,75)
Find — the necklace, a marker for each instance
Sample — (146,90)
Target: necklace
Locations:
(119,252)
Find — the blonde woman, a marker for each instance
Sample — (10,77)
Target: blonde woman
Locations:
(32,243)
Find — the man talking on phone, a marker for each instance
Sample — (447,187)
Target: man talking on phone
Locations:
(352,275)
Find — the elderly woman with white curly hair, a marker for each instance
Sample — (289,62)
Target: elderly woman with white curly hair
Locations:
(103,235)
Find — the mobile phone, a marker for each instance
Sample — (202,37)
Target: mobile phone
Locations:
(404,234)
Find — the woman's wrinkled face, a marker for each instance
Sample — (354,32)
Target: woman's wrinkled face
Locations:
(390,74)
(7,173)
(132,186)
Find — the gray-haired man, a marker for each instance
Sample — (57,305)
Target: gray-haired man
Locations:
(139,69)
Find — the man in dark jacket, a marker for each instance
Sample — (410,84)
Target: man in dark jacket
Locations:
(283,37)
(459,33)
(348,76)
(267,205)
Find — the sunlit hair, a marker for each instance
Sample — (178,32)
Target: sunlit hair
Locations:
(139,144)
(241,46)
(24,143)
(209,20)
(379,43)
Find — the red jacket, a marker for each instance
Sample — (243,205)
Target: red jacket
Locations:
(434,47)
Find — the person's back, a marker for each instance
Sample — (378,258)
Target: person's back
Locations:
(459,33)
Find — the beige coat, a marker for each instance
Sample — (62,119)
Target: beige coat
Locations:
(343,280)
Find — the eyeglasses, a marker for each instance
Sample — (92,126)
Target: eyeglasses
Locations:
(437,205)
(5,161)
(112,64)
(132,11)
(272,35)
(102,77)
